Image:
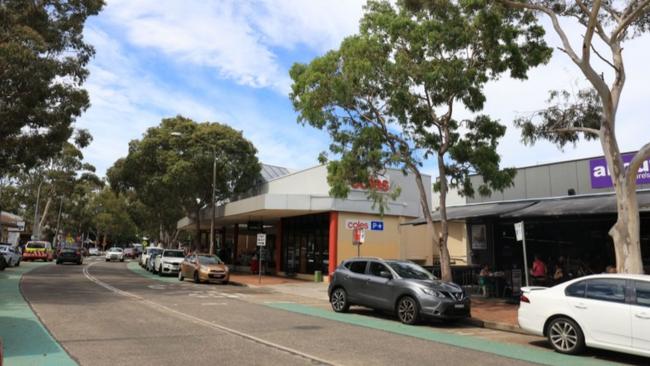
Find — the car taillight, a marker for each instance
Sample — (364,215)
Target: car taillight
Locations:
(523,298)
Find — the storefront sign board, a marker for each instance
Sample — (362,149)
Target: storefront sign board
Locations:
(261,240)
(601,175)
(373,225)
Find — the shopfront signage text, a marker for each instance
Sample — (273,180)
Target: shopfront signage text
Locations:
(365,225)
(380,184)
(601,176)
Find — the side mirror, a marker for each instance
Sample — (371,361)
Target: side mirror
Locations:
(386,275)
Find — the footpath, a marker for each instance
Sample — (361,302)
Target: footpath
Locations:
(487,313)
(25,341)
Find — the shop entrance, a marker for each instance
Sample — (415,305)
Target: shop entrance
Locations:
(305,244)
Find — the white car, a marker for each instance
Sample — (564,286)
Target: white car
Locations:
(608,311)
(12,254)
(93,251)
(144,258)
(115,254)
(169,262)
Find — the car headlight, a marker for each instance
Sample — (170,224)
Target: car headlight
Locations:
(432,292)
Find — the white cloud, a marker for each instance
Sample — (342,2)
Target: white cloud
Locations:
(235,37)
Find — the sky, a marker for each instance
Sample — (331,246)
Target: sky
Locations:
(227,61)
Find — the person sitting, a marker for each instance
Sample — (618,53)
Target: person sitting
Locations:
(558,276)
(538,271)
(483,280)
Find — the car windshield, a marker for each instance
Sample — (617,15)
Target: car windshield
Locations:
(174,254)
(4,248)
(209,259)
(68,250)
(35,245)
(411,271)
(115,250)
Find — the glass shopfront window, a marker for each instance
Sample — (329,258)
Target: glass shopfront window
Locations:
(305,244)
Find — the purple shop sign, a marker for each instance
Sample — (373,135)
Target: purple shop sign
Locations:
(600,175)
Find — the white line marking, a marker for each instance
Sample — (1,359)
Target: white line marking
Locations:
(200,321)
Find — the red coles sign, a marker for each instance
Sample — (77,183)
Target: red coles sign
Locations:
(381,184)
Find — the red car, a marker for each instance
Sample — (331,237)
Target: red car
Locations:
(129,253)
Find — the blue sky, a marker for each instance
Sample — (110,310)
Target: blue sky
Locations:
(228,61)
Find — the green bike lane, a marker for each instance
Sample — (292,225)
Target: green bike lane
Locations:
(25,340)
(428,333)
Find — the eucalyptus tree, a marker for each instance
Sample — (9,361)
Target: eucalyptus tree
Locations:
(170,168)
(606,26)
(43,58)
(389,97)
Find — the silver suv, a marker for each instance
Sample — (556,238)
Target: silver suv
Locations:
(398,286)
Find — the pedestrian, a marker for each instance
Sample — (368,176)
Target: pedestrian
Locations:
(484,280)
(538,271)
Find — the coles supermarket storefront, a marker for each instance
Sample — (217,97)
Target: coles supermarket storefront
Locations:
(306,229)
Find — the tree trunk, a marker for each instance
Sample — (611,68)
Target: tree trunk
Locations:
(426,211)
(445,260)
(626,231)
(44,216)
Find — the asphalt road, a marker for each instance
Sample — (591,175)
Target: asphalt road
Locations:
(105,314)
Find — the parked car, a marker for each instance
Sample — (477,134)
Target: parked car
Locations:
(204,268)
(169,261)
(137,249)
(38,250)
(398,286)
(11,254)
(73,255)
(115,254)
(129,253)
(144,258)
(609,311)
(93,251)
(151,261)
(3,263)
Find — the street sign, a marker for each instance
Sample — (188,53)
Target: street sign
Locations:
(519,230)
(261,240)
(20,225)
(358,236)
(377,225)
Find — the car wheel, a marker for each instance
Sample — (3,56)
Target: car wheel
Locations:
(180,276)
(196,277)
(108,260)
(58,262)
(408,310)
(79,263)
(565,336)
(18,263)
(339,300)
(122,260)
(9,263)
(160,272)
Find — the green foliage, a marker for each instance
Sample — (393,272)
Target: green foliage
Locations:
(170,168)
(387,95)
(564,117)
(43,60)
(110,212)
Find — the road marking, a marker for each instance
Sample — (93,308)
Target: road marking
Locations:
(213,303)
(200,321)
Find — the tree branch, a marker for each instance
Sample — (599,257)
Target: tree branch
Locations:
(591,28)
(603,58)
(599,27)
(642,155)
(629,17)
(575,129)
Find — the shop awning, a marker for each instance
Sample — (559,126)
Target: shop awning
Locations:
(476,210)
(578,205)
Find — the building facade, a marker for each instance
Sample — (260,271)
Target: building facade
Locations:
(307,230)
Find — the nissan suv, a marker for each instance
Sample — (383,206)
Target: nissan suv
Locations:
(398,286)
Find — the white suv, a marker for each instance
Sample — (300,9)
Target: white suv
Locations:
(169,262)
(11,254)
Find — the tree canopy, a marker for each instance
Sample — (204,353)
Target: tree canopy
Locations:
(387,95)
(170,168)
(43,59)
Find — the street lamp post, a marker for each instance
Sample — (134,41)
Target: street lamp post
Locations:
(214,191)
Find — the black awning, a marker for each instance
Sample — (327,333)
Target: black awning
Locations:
(476,210)
(578,205)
